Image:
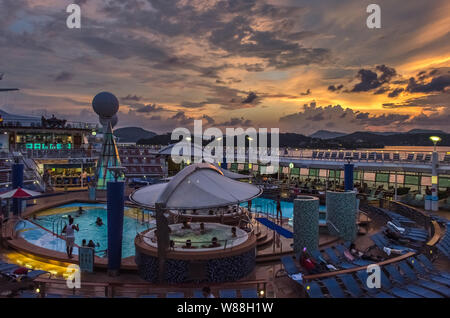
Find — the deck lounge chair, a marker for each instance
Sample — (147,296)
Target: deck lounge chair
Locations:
(249,293)
(313,290)
(381,242)
(289,265)
(335,260)
(175,295)
(397,291)
(28,294)
(374,292)
(198,294)
(351,285)
(333,287)
(412,276)
(359,262)
(440,277)
(397,277)
(227,293)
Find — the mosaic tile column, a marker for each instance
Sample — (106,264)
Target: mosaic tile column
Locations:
(341,212)
(306,223)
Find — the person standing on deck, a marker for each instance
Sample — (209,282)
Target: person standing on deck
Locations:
(279,210)
(70,236)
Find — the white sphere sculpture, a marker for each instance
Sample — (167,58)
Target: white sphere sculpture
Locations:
(105,104)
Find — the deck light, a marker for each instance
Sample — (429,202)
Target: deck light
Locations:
(435,140)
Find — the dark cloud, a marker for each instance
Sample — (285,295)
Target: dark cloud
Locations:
(151,108)
(370,80)
(437,84)
(312,118)
(236,122)
(130,97)
(209,119)
(333,88)
(308,92)
(64,76)
(395,92)
(251,97)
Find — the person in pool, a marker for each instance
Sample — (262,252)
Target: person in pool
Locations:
(80,211)
(83,243)
(188,244)
(99,221)
(185,225)
(214,242)
(233,231)
(202,228)
(91,244)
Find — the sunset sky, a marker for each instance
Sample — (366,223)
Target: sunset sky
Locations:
(297,65)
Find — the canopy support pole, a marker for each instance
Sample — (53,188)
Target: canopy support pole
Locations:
(162,236)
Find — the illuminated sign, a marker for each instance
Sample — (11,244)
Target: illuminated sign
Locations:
(39,146)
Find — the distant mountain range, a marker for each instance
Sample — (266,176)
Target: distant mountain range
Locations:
(132,134)
(326,134)
(337,140)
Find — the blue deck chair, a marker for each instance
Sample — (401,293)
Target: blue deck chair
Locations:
(36,273)
(28,294)
(397,291)
(198,294)
(380,241)
(359,262)
(289,265)
(351,285)
(396,276)
(422,282)
(318,257)
(249,293)
(6,268)
(421,269)
(428,270)
(374,292)
(149,296)
(313,290)
(175,295)
(335,260)
(227,293)
(333,288)
(53,296)
(429,266)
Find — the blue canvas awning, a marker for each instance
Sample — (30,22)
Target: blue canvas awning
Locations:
(280,230)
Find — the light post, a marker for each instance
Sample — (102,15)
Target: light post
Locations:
(291,166)
(434,175)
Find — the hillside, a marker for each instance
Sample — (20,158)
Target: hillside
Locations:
(132,134)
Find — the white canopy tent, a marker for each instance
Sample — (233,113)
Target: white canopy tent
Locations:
(198,186)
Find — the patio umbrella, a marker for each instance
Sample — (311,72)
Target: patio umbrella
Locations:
(19,193)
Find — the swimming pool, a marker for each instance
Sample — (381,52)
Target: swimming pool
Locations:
(54,219)
(265,205)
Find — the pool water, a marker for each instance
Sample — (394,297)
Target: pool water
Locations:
(201,239)
(88,229)
(198,239)
(265,205)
